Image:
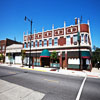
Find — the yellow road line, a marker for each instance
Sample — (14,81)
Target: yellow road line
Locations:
(51,80)
(11,72)
(34,69)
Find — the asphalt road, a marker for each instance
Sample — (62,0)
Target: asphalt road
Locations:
(54,86)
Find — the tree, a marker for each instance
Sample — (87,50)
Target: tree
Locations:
(23,55)
(1,57)
(9,57)
(95,56)
(53,55)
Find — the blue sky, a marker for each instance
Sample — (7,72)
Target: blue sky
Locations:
(44,13)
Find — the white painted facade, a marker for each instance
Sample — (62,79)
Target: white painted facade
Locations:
(15,51)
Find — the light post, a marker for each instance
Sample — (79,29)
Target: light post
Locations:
(30,38)
(79,48)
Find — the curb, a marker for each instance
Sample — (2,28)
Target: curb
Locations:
(90,75)
(34,69)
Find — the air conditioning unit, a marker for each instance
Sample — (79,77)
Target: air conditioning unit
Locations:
(75,43)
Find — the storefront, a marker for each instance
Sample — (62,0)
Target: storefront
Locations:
(45,58)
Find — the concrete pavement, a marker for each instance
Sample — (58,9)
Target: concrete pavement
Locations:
(95,73)
(10,91)
(53,86)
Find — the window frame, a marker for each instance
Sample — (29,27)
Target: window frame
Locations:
(50,41)
(67,40)
(55,41)
(75,40)
(82,39)
(45,42)
(36,42)
(40,43)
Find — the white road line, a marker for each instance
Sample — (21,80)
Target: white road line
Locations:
(81,88)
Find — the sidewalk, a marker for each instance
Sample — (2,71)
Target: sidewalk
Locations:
(10,91)
(95,73)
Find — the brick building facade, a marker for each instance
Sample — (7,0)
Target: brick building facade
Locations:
(4,44)
(64,41)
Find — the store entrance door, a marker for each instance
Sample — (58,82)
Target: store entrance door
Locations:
(84,64)
(45,61)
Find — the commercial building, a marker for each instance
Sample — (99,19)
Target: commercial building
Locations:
(14,51)
(71,43)
(4,44)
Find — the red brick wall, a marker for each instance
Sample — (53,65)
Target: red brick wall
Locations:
(39,35)
(42,43)
(45,35)
(71,40)
(60,59)
(61,31)
(37,43)
(52,42)
(61,41)
(84,28)
(34,44)
(66,60)
(49,33)
(56,33)
(47,43)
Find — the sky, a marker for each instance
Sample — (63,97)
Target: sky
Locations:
(44,13)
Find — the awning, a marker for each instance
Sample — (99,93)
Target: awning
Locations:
(85,54)
(45,53)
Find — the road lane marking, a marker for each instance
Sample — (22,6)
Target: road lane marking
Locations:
(81,88)
(51,80)
(34,69)
(11,72)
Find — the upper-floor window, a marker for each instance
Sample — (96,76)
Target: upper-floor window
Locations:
(86,38)
(45,42)
(56,41)
(50,42)
(31,43)
(28,44)
(3,47)
(82,38)
(0,47)
(36,43)
(25,45)
(40,43)
(68,40)
(75,39)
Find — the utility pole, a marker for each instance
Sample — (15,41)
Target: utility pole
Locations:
(30,39)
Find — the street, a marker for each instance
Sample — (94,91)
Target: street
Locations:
(54,86)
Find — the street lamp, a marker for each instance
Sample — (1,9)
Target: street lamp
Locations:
(30,38)
(79,49)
